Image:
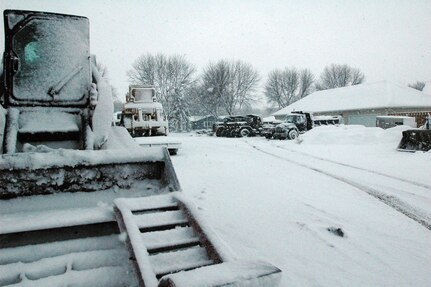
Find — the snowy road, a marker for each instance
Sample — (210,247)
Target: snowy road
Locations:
(410,198)
(276,201)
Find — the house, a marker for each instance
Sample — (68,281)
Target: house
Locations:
(361,104)
(202,122)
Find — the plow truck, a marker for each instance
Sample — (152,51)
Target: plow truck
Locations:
(81,204)
(144,119)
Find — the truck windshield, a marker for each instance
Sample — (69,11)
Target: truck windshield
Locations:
(295,119)
(143,95)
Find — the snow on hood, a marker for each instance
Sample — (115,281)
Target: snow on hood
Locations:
(286,125)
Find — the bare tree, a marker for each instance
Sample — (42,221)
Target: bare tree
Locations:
(306,83)
(172,77)
(228,86)
(337,76)
(285,87)
(418,85)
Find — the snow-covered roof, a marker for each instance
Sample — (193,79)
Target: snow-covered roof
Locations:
(376,95)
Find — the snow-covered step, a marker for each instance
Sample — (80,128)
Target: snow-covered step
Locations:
(54,266)
(46,219)
(143,204)
(181,260)
(160,220)
(111,276)
(158,241)
(35,252)
(163,237)
(168,239)
(227,274)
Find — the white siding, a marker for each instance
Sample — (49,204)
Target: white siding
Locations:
(365,120)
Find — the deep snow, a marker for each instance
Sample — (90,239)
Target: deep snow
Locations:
(265,206)
(338,207)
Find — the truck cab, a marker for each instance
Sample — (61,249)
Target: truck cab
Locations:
(294,124)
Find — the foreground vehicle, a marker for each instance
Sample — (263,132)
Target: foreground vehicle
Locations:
(70,182)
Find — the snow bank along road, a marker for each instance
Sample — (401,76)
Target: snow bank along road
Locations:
(278,201)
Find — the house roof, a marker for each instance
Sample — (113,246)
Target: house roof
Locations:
(376,95)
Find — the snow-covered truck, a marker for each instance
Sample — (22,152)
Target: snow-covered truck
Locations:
(299,122)
(80,203)
(238,126)
(143,117)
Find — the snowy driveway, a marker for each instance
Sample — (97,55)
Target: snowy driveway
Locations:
(276,200)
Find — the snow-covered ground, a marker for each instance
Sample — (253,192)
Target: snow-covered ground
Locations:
(278,201)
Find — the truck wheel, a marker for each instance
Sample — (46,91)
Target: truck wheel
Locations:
(219,132)
(244,132)
(293,134)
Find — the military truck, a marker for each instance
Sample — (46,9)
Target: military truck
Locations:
(299,122)
(239,126)
(268,127)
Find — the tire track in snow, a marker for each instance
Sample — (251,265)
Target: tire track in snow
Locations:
(358,168)
(390,200)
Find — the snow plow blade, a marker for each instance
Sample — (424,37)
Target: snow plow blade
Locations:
(172,247)
(25,174)
(415,140)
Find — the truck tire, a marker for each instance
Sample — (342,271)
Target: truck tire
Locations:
(244,132)
(219,132)
(293,134)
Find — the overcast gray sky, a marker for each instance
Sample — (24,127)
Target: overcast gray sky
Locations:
(387,40)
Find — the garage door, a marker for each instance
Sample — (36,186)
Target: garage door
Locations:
(365,120)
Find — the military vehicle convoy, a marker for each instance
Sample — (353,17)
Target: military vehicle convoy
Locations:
(81,204)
